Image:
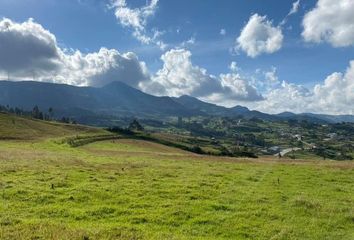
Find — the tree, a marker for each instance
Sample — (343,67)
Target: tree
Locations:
(65,120)
(36,113)
(135,126)
(51,113)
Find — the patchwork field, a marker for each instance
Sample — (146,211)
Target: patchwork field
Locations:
(132,189)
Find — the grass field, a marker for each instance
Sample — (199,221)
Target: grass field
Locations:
(13,127)
(132,189)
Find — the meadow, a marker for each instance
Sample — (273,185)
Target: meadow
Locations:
(134,189)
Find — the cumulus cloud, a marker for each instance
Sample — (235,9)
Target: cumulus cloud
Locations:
(259,36)
(102,67)
(179,76)
(330,21)
(238,88)
(27,49)
(271,76)
(287,97)
(136,19)
(335,96)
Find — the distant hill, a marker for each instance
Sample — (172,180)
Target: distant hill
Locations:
(196,105)
(319,118)
(301,117)
(331,118)
(100,106)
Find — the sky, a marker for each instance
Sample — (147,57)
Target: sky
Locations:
(268,55)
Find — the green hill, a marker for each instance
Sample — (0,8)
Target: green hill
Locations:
(21,128)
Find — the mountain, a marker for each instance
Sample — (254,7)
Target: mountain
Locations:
(331,118)
(102,106)
(286,114)
(194,104)
(115,99)
(239,110)
(314,118)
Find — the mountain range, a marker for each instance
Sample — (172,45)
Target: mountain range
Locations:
(88,104)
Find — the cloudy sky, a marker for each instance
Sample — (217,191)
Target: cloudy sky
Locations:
(269,55)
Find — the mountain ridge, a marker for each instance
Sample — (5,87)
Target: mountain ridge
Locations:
(119,99)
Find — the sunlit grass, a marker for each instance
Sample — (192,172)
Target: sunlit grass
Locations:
(132,189)
(129,189)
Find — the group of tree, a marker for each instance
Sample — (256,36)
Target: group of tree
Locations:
(36,113)
(134,126)
(16,110)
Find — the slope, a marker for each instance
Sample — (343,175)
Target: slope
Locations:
(14,127)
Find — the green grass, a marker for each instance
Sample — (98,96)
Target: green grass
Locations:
(13,127)
(132,189)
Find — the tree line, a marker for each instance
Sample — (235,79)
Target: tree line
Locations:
(36,113)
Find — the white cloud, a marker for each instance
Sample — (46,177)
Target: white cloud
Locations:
(102,67)
(233,67)
(330,21)
(222,32)
(190,42)
(295,8)
(334,96)
(136,19)
(38,52)
(27,50)
(27,47)
(286,97)
(259,36)
(179,76)
(271,76)
(237,88)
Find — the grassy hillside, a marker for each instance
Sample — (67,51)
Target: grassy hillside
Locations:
(14,127)
(133,189)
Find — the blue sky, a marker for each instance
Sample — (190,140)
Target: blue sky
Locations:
(195,27)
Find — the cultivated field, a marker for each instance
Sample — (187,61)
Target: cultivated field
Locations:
(133,189)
